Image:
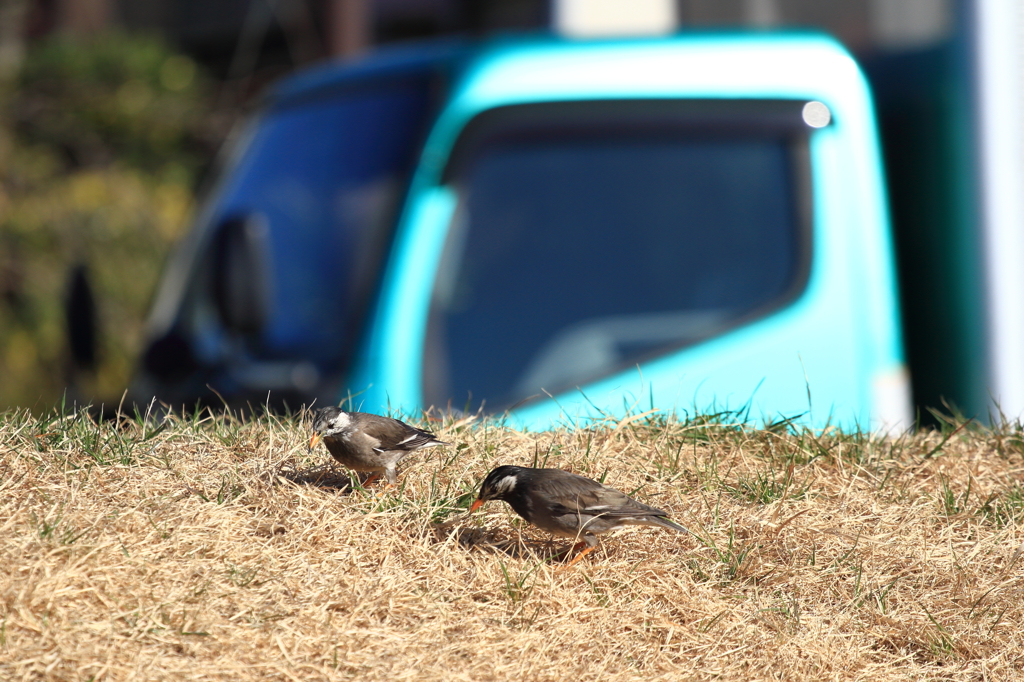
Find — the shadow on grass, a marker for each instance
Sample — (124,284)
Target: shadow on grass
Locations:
(324,476)
(484,540)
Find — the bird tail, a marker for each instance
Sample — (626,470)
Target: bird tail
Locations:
(665,523)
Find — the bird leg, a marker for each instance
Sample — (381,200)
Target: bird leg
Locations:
(562,556)
(579,556)
(375,476)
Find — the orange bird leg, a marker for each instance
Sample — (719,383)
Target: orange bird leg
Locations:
(579,556)
(569,552)
(381,492)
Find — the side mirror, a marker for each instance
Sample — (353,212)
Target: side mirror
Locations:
(80,319)
(241,289)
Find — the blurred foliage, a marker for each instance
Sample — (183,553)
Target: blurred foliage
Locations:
(101,145)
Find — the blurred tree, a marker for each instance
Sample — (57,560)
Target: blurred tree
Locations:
(106,139)
(12,38)
(84,17)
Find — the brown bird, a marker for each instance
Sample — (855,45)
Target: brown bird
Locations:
(368,442)
(567,504)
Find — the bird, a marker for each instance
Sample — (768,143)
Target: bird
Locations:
(567,504)
(368,442)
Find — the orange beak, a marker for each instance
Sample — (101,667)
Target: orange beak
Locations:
(477,503)
(313,440)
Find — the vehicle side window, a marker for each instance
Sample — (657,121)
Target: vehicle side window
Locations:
(324,177)
(583,245)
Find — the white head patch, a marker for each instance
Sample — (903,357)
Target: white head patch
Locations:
(341,422)
(505,485)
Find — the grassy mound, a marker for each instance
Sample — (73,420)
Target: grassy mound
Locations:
(209,548)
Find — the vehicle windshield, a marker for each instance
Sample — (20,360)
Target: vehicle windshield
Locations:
(584,243)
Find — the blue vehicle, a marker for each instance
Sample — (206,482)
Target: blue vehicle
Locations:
(557,229)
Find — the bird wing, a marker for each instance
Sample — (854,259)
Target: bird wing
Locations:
(407,438)
(574,494)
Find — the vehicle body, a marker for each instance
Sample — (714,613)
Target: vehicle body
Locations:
(557,229)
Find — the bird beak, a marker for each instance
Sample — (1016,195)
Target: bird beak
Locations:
(313,440)
(477,503)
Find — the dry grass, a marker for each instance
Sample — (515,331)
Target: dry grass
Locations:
(213,549)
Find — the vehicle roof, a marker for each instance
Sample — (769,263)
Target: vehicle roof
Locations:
(384,62)
(452,53)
